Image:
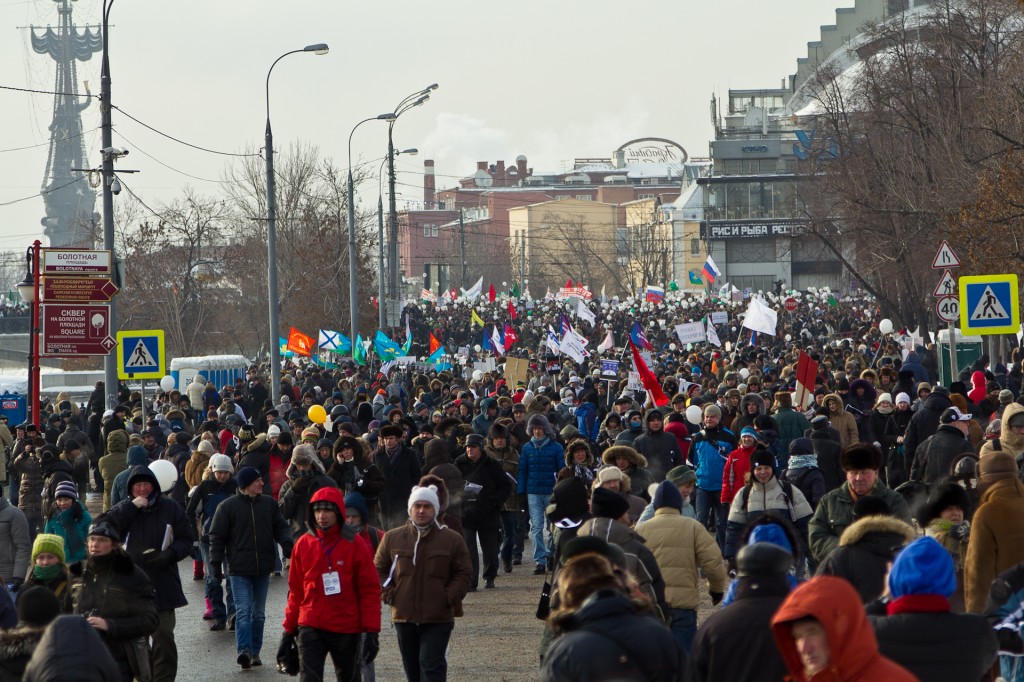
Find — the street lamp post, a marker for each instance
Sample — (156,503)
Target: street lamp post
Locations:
(28,289)
(275,350)
(380,235)
(414,100)
(353,287)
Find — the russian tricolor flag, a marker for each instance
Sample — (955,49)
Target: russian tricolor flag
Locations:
(655,294)
(711,270)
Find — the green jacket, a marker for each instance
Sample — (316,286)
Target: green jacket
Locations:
(835,513)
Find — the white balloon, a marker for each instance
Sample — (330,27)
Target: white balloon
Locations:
(788,337)
(885,326)
(478,375)
(744,373)
(167,383)
(477,348)
(166,474)
(694,414)
(671,346)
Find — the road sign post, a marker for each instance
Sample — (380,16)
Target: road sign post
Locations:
(944,260)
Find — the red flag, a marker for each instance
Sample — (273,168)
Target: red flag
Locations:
(512,311)
(299,343)
(647,378)
(434,343)
(806,372)
(568,283)
(510,336)
(491,293)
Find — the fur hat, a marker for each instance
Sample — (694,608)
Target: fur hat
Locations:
(391,430)
(857,456)
(609,504)
(869,505)
(205,447)
(945,496)
(784,399)
(304,454)
(609,473)
(48,543)
(626,451)
(426,494)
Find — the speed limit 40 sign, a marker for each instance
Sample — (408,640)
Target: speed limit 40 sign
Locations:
(948,308)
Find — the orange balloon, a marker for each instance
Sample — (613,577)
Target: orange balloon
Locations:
(317,414)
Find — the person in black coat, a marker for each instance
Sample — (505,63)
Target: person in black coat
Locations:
(37,606)
(486,489)
(919,632)
(71,650)
(933,462)
(736,642)
(605,635)
(110,588)
(657,445)
(401,470)
(827,451)
(159,536)
(896,472)
(924,423)
(866,547)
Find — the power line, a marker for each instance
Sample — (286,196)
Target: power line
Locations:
(46,92)
(42,193)
(165,165)
(43,144)
(187,144)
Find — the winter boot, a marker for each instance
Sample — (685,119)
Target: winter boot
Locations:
(198,572)
(209,610)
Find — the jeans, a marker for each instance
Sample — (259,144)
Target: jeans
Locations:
(709,501)
(250,596)
(315,645)
(165,651)
(509,523)
(489,540)
(214,590)
(423,647)
(683,627)
(540,532)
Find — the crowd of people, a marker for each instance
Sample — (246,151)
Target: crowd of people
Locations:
(874,530)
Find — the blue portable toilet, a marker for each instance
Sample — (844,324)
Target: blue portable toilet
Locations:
(220,370)
(14,406)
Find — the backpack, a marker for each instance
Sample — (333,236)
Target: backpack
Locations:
(787,494)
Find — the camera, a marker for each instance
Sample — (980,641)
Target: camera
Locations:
(115,186)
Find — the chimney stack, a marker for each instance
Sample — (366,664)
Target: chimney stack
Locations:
(428,184)
(499,175)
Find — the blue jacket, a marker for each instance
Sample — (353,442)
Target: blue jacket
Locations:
(587,422)
(709,451)
(538,467)
(482,423)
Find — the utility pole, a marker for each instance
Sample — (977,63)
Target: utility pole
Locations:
(522,261)
(107,140)
(462,245)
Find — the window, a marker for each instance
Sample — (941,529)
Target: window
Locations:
(433,230)
(644,196)
(426,230)
(584,197)
(695,247)
(562,197)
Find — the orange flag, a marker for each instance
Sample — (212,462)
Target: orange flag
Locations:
(434,343)
(299,343)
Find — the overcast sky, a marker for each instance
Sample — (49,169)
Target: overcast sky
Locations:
(551,80)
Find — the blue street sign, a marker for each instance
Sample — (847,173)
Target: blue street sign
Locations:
(989,304)
(140,354)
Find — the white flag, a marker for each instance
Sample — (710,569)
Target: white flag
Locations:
(607,344)
(474,291)
(552,341)
(713,335)
(496,340)
(571,346)
(583,312)
(760,318)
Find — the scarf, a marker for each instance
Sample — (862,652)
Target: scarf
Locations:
(802,462)
(46,573)
(883,409)
(539,442)
(918,603)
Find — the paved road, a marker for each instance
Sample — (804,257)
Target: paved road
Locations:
(496,640)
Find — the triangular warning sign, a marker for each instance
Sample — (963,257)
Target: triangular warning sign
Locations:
(141,357)
(989,308)
(945,258)
(946,285)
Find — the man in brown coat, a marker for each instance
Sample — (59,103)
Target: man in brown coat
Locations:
(425,571)
(997,531)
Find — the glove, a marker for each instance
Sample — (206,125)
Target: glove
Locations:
(288,655)
(716,598)
(157,559)
(524,501)
(286,551)
(371,646)
(217,571)
(960,532)
(16,583)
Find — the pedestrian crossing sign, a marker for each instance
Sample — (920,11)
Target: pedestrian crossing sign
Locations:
(140,354)
(989,304)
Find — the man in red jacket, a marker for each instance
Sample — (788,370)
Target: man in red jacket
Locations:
(333,592)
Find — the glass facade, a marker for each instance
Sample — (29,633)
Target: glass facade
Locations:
(763,199)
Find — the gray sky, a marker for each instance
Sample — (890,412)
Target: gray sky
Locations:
(551,80)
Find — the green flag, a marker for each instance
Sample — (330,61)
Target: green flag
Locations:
(515,290)
(672,286)
(359,351)
(832,301)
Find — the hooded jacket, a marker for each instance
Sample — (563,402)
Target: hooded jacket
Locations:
(854,655)
(640,559)
(640,479)
(145,529)
(538,466)
(710,449)
(607,639)
(842,421)
(997,540)
(16,649)
(246,530)
(660,448)
(934,459)
(1009,442)
(737,468)
(864,551)
(356,608)
(680,545)
(113,463)
(744,418)
(481,509)
(919,631)
(204,500)
(482,423)
(756,498)
(300,488)
(137,457)
(70,650)
(861,406)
